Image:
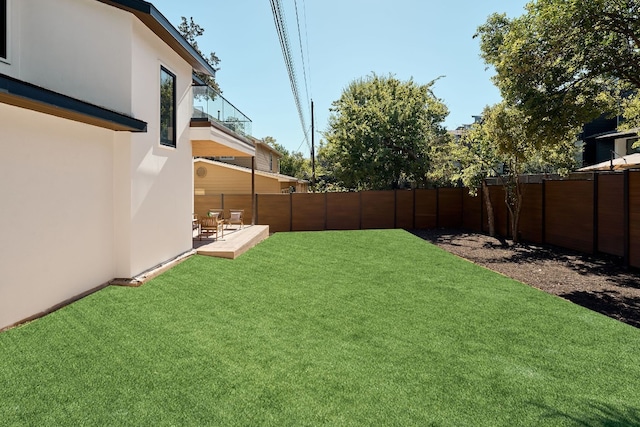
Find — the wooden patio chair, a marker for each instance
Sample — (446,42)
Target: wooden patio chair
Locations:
(235,217)
(218,212)
(195,223)
(210,225)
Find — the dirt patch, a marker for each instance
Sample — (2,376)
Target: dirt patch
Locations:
(599,283)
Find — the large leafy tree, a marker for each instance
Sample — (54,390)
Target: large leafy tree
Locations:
(190,30)
(499,146)
(380,131)
(565,62)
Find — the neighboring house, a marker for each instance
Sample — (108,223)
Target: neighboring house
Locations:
(603,142)
(98,140)
(267,158)
(214,177)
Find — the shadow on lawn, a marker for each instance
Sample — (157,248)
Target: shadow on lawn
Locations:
(625,309)
(598,415)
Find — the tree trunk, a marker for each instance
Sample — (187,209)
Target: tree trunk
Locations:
(513,199)
(490,214)
(517,208)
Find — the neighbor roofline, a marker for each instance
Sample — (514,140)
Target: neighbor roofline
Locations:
(152,18)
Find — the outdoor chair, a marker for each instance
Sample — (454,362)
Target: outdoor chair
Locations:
(210,225)
(218,212)
(195,223)
(235,217)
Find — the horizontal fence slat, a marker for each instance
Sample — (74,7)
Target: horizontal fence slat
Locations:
(569,214)
(274,210)
(426,213)
(531,213)
(450,207)
(611,214)
(308,212)
(404,209)
(378,209)
(343,211)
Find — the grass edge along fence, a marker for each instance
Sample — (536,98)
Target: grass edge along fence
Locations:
(600,214)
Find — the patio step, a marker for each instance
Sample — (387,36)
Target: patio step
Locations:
(234,243)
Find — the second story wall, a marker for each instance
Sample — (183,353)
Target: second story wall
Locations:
(81,48)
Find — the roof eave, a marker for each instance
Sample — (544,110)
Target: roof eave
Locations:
(26,95)
(156,22)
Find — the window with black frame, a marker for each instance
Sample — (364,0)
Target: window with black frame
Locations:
(3,29)
(167,108)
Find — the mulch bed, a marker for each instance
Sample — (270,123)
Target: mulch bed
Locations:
(599,283)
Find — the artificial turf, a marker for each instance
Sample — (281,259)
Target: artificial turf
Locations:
(327,328)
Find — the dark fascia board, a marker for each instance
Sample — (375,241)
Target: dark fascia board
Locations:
(614,134)
(152,18)
(26,95)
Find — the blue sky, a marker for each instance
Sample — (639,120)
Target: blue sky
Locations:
(343,40)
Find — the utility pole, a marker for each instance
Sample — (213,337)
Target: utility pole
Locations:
(313,152)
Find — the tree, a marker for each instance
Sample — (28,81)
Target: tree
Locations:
(380,131)
(190,31)
(500,147)
(565,62)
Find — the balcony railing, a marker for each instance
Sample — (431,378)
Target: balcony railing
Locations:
(209,104)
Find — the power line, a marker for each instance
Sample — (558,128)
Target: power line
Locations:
(306,39)
(304,68)
(302,142)
(281,28)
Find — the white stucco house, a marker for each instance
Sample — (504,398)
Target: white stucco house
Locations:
(97,140)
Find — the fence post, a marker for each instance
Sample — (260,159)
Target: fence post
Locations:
(360,210)
(290,211)
(543,226)
(438,207)
(596,177)
(481,209)
(413,219)
(255,220)
(326,211)
(395,208)
(627,242)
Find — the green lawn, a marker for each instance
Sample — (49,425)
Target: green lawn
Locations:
(324,328)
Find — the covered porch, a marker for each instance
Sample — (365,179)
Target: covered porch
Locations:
(218,129)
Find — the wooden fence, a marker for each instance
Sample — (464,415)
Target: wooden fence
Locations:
(598,215)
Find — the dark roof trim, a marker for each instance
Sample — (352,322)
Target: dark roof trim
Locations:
(152,18)
(614,134)
(26,95)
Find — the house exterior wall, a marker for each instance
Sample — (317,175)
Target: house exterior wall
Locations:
(80,48)
(57,218)
(84,205)
(160,177)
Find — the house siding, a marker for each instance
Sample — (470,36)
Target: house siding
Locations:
(263,161)
(57,211)
(160,177)
(225,180)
